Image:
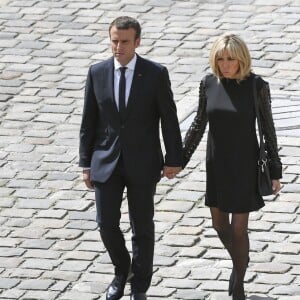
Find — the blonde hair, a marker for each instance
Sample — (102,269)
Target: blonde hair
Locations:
(236,49)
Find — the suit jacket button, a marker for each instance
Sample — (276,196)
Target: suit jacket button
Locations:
(122,126)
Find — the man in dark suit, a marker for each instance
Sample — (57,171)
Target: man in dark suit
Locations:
(126,98)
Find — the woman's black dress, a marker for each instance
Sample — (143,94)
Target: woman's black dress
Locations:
(232,149)
(232,146)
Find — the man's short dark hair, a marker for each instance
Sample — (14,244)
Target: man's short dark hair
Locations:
(125,22)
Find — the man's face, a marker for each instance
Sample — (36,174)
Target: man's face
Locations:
(123,44)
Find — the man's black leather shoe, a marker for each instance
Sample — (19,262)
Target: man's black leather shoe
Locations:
(115,290)
(138,296)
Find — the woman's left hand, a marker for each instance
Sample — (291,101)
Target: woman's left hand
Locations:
(276,186)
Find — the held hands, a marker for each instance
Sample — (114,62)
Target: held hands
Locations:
(87,179)
(171,172)
(276,186)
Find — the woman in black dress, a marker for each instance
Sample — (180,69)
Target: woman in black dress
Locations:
(226,102)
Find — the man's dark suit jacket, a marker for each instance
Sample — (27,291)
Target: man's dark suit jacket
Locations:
(103,136)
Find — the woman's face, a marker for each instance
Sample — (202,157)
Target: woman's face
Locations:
(227,65)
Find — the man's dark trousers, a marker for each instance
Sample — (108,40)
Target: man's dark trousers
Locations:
(141,212)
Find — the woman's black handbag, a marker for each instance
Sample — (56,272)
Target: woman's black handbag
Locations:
(264,178)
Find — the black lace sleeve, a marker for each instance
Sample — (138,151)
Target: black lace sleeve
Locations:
(268,130)
(197,128)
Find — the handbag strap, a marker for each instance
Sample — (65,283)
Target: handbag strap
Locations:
(262,153)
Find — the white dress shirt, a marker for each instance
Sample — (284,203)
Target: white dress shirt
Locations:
(128,75)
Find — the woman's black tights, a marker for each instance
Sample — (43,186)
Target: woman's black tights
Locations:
(234,236)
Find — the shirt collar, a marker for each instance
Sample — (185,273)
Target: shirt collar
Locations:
(130,65)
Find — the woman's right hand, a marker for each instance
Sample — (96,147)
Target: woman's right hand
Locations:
(276,186)
(86,174)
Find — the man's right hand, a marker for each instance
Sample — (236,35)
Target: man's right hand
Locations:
(87,178)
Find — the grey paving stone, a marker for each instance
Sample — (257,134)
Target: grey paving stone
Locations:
(45,253)
(166,251)
(30,233)
(76,205)
(292,289)
(63,234)
(83,225)
(180,283)
(25,213)
(52,214)
(56,184)
(186,230)
(24,273)
(11,262)
(39,264)
(290,228)
(161,292)
(190,294)
(52,166)
(275,278)
(276,268)
(58,158)
(74,265)
(34,175)
(32,193)
(288,259)
(192,252)
(28,68)
(215,286)
(175,206)
(86,215)
(278,217)
(50,223)
(80,255)
(62,176)
(205,273)
(18,222)
(90,287)
(289,297)
(78,295)
(12,294)
(280,207)
(163,261)
(7,173)
(259,288)
(8,283)
(173,272)
(191,222)
(35,284)
(185,195)
(7,202)
(180,240)
(40,295)
(19,183)
(60,286)
(61,275)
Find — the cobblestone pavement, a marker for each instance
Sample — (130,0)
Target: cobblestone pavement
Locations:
(49,247)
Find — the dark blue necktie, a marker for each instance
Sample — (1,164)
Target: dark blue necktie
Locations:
(122,92)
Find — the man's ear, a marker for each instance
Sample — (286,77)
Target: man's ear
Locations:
(137,42)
